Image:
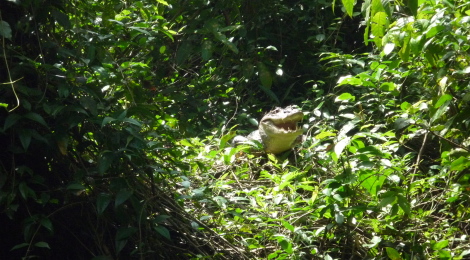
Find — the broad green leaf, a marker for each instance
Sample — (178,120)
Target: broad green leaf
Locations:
(288,226)
(45,222)
(42,244)
(221,37)
(286,246)
(5,30)
(349,80)
(376,7)
(440,111)
(125,232)
(102,202)
(105,162)
(36,117)
(75,186)
(401,123)
(163,2)
(339,147)
(405,105)
(413,6)
(442,100)
(348,5)
(61,18)
(265,76)
(25,138)
(163,231)
(372,181)
(444,254)
(392,253)
(19,246)
(404,204)
(345,96)
(11,120)
(106,120)
(23,187)
(388,86)
(388,200)
(440,245)
(206,50)
(324,135)
(378,26)
(122,196)
(432,31)
(460,164)
(183,52)
(404,52)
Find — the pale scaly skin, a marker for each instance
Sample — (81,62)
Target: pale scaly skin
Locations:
(277,131)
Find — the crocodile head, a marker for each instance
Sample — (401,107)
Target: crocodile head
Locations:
(279,131)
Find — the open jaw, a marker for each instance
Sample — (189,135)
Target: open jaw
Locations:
(290,126)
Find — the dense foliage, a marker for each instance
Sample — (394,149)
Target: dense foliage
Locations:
(116,119)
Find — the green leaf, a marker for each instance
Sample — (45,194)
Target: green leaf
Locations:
(45,222)
(5,30)
(221,37)
(105,161)
(404,52)
(163,231)
(372,181)
(106,120)
(42,244)
(339,147)
(124,233)
(401,123)
(36,117)
(10,121)
(288,226)
(19,246)
(122,196)
(392,253)
(379,25)
(348,5)
(102,202)
(404,204)
(444,98)
(25,138)
(206,50)
(388,86)
(264,76)
(183,52)
(345,96)
(61,18)
(440,245)
(75,186)
(163,2)
(24,190)
(460,164)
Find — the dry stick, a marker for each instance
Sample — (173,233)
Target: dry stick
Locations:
(418,159)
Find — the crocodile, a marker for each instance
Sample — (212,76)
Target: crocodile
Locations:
(277,130)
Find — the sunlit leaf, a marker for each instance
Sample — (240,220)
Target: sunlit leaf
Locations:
(392,253)
(348,5)
(440,245)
